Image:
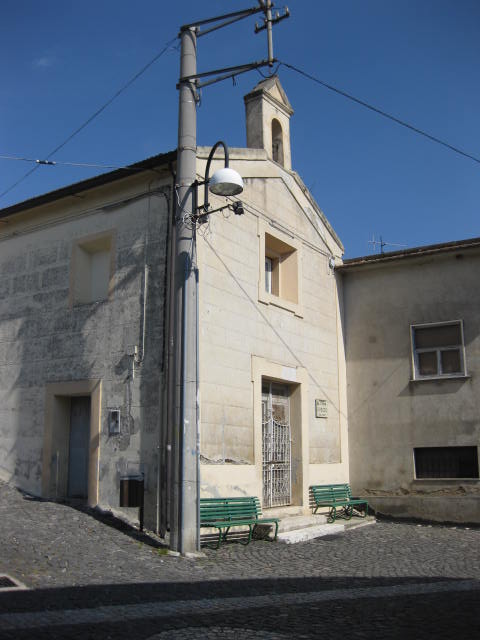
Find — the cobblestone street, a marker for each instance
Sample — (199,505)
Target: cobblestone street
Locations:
(89,577)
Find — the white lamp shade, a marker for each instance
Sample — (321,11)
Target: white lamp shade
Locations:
(226,182)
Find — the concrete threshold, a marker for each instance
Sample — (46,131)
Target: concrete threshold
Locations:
(309,533)
(299,529)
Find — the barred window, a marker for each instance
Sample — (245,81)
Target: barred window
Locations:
(446,462)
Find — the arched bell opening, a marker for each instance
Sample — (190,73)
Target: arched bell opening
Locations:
(277,142)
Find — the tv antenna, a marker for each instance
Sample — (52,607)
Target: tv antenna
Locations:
(383,244)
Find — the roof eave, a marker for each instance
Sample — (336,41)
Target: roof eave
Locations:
(405,254)
(89,183)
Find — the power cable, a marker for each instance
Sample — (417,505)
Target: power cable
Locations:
(92,117)
(251,208)
(381,112)
(54,163)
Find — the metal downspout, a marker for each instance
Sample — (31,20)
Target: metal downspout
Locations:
(165,436)
(198,404)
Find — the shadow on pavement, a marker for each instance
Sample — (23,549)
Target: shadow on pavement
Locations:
(106,518)
(285,609)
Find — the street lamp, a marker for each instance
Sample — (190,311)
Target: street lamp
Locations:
(224,182)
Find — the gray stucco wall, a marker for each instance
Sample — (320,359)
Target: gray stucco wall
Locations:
(44,339)
(389,414)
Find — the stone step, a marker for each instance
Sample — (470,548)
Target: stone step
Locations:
(309,533)
(302,528)
(283,512)
(300,522)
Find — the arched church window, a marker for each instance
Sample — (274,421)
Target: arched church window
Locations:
(277,142)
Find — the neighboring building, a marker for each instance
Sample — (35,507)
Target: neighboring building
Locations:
(82,316)
(85,333)
(412,325)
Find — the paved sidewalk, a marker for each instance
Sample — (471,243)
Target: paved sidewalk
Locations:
(89,579)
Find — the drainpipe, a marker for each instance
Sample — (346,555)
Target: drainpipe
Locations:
(197,396)
(197,363)
(165,434)
(145,289)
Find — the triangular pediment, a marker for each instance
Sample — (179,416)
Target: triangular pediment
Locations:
(273,88)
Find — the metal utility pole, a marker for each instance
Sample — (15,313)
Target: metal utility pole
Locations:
(184,483)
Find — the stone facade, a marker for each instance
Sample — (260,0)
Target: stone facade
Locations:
(84,311)
(53,349)
(248,335)
(268,113)
(85,326)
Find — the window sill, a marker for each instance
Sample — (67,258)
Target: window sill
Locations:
(440,378)
(276,301)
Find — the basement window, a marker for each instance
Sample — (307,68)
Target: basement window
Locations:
(438,350)
(446,462)
(92,269)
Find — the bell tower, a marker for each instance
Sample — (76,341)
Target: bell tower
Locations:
(268,114)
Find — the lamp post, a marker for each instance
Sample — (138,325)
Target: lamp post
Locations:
(224,182)
(185,446)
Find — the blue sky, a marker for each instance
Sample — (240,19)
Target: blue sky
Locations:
(416,59)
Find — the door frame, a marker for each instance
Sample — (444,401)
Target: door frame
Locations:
(271,467)
(56,437)
(79,433)
(297,379)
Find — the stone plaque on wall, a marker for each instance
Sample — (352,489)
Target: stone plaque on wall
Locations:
(321,410)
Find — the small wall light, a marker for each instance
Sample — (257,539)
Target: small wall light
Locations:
(238,209)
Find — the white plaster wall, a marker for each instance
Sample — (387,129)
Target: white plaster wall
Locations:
(388,414)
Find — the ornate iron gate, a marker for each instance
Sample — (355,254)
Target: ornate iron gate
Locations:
(276,446)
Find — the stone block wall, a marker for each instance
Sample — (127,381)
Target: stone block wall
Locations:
(46,339)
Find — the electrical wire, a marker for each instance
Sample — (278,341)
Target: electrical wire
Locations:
(271,73)
(186,218)
(92,117)
(274,327)
(381,112)
(251,208)
(71,164)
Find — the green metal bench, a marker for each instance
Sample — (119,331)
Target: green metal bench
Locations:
(225,513)
(334,496)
